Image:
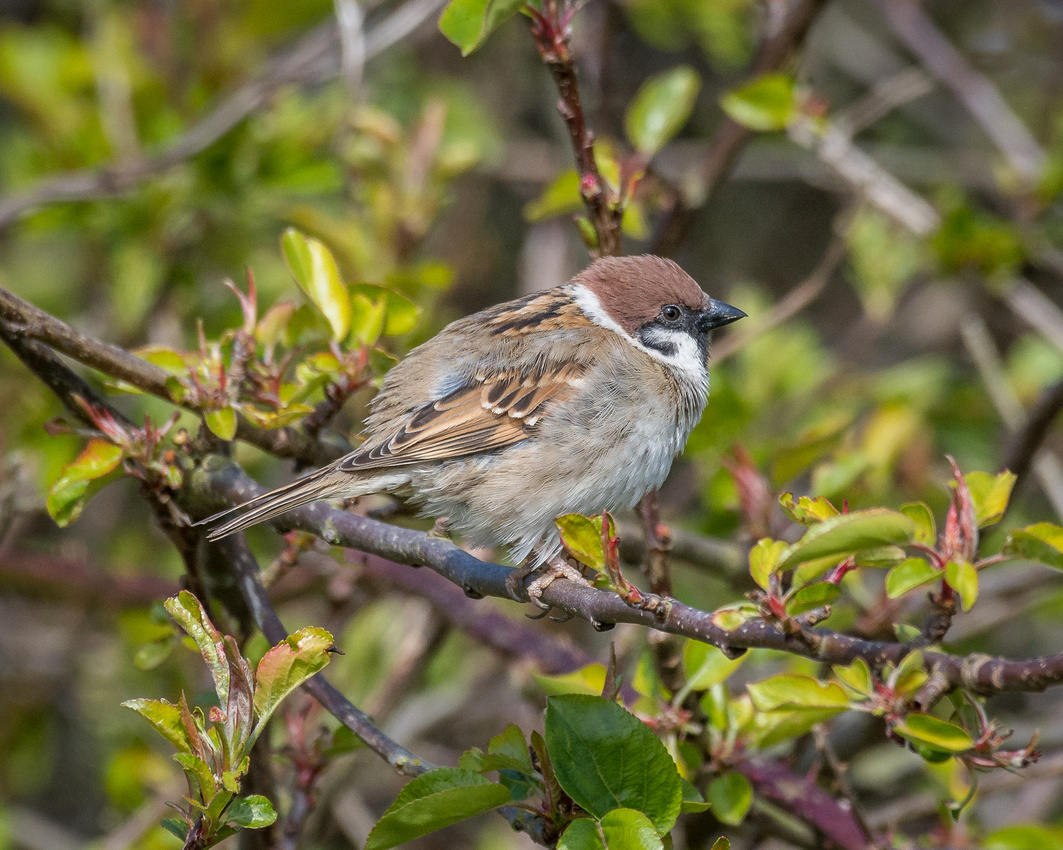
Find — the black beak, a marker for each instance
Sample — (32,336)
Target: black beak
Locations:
(717,315)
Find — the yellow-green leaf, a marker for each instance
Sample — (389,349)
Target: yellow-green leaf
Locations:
(764,559)
(908,575)
(793,691)
(990,495)
(1042,542)
(661,108)
(221,422)
(963,578)
(766,103)
(582,537)
(368,317)
(849,533)
(315,270)
(934,732)
(925,527)
(561,197)
(71,491)
(467,23)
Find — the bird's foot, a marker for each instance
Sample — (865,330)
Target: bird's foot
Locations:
(545,575)
(441,529)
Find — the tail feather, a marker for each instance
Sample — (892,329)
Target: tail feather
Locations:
(312,488)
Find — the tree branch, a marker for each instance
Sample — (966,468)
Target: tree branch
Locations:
(218,483)
(729,140)
(977,94)
(23,320)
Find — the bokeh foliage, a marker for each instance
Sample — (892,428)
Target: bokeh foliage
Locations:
(444,184)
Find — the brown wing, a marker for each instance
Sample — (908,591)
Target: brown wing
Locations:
(491,412)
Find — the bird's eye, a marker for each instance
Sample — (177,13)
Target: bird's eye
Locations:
(671,313)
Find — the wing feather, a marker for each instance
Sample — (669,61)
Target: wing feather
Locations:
(490,412)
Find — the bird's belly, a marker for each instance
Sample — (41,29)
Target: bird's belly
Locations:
(513,496)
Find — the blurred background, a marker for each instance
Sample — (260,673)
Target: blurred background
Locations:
(898,245)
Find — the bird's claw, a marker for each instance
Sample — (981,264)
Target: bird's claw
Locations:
(545,575)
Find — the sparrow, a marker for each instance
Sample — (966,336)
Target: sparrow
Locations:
(574,399)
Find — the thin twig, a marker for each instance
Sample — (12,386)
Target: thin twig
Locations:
(1025,443)
(732,137)
(983,351)
(245,570)
(794,302)
(977,94)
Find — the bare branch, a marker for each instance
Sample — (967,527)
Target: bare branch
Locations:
(729,140)
(218,482)
(977,94)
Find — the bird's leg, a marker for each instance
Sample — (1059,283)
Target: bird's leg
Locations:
(545,574)
(441,529)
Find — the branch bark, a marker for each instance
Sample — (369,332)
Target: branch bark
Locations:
(218,483)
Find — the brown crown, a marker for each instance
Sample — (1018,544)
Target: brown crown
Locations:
(632,290)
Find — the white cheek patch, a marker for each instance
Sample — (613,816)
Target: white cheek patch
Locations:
(686,357)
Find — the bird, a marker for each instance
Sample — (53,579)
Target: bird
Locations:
(574,399)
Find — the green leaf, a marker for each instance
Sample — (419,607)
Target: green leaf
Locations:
(963,578)
(849,533)
(175,826)
(186,609)
(581,834)
(587,680)
(401,315)
(71,491)
(908,575)
(722,843)
(990,495)
(560,197)
(925,527)
(221,422)
(1041,542)
(606,758)
(764,559)
(806,509)
(467,23)
(766,103)
(621,829)
(730,797)
(368,318)
(251,812)
(793,691)
(856,676)
(511,744)
(934,733)
(166,718)
(693,801)
(706,665)
(811,597)
(628,829)
(582,537)
(286,666)
(432,801)
(315,270)
(661,108)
